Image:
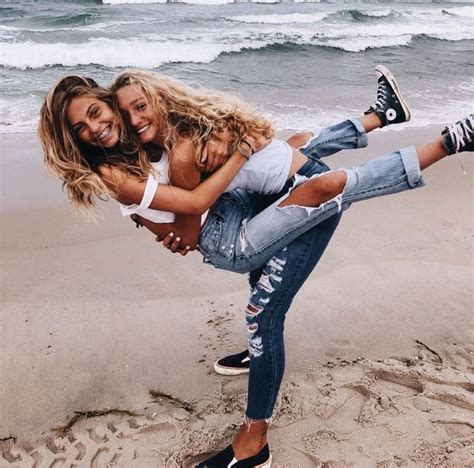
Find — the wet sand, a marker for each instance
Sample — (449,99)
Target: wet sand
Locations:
(102,321)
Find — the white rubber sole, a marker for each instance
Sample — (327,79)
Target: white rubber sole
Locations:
(393,82)
(222,370)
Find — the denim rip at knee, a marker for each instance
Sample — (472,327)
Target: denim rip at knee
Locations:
(273,228)
(219,240)
(295,262)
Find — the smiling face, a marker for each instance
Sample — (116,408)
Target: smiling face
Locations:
(93,121)
(138,113)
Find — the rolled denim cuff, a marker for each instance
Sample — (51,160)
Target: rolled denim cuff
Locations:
(361,133)
(411,163)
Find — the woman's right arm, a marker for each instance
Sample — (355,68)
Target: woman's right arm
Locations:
(129,189)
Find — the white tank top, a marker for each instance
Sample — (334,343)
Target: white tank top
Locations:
(265,172)
(160,177)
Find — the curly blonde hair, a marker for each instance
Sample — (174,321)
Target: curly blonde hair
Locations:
(75,163)
(197,115)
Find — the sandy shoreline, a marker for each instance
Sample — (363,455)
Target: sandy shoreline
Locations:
(379,342)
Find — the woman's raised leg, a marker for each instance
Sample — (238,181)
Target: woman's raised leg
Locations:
(324,195)
(329,185)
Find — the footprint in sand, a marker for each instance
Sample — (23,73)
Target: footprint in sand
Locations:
(292,457)
(342,410)
(234,387)
(128,443)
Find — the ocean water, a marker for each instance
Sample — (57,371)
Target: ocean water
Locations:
(304,65)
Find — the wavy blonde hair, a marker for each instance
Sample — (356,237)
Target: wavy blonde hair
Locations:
(75,163)
(197,115)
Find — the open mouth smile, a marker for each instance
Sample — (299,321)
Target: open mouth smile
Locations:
(143,129)
(105,134)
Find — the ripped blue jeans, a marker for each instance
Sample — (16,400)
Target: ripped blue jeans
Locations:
(237,239)
(275,282)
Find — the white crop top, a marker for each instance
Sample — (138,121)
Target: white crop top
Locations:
(265,172)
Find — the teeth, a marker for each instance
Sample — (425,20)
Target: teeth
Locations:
(105,133)
(143,129)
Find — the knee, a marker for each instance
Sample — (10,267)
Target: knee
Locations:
(330,184)
(325,187)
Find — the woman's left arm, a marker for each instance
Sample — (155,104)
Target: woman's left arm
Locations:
(184,234)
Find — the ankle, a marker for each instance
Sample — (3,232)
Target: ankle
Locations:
(248,447)
(370,121)
(430,153)
(251,439)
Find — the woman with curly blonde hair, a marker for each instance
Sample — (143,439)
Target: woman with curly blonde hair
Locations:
(182,112)
(86,147)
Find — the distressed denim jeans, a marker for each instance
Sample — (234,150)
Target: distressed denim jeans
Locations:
(249,246)
(273,289)
(270,300)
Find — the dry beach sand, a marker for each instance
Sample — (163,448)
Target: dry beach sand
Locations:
(111,338)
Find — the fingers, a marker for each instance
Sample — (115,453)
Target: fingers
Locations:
(168,239)
(185,251)
(173,244)
(258,142)
(211,155)
(217,154)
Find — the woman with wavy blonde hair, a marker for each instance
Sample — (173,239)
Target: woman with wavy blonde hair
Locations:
(280,246)
(182,112)
(76,163)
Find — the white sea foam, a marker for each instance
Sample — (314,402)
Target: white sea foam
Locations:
(280,19)
(204,44)
(152,51)
(376,13)
(13,30)
(464,11)
(144,53)
(361,43)
(131,2)
(19,115)
(111,53)
(380,35)
(193,2)
(453,35)
(207,2)
(8,33)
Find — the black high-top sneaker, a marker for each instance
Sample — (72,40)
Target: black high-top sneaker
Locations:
(389,106)
(459,137)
